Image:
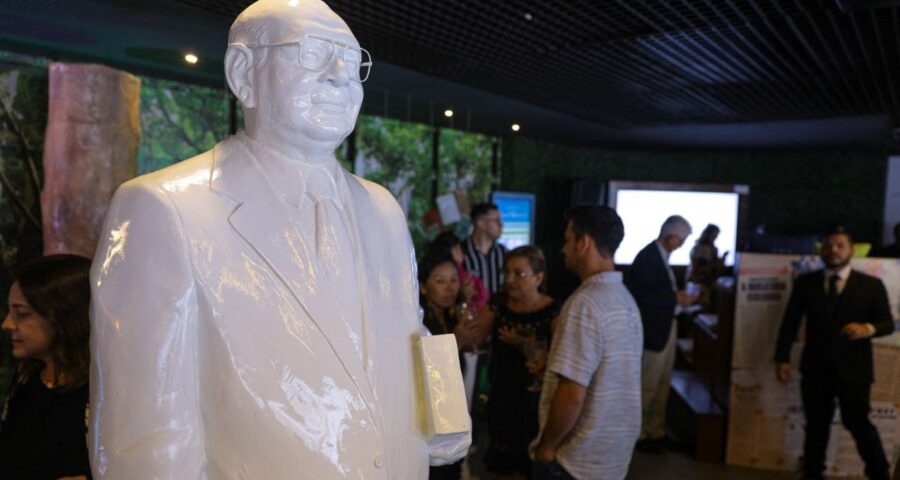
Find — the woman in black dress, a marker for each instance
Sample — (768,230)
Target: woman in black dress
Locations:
(519,319)
(43,426)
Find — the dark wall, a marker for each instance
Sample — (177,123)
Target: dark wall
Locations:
(790,192)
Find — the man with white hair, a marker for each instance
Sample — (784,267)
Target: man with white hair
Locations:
(254,309)
(653,285)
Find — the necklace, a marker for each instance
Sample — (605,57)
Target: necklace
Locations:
(47,383)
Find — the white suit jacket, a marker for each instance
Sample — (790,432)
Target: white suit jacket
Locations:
(214,349)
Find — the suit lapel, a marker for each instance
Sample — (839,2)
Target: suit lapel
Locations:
(851,285)
(847,294)
(665,271)
(271,228)
(819,287)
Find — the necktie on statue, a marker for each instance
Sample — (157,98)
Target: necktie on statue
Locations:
(336,254)
(330,228)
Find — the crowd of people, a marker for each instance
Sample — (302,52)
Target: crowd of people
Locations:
(575,386)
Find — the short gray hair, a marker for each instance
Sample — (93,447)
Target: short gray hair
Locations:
(675,225)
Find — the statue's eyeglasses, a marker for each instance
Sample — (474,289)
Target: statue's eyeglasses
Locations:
(318,53)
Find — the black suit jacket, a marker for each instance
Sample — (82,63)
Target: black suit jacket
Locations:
(864,299)
(649,283)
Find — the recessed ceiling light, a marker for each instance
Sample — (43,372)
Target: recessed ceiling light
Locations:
(448,113)
(528,16)
(191,58)
(516,127)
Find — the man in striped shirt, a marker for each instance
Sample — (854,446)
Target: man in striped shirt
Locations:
(483,255)
(590,409)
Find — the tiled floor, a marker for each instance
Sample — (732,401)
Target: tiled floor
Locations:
(678,465)
(675,463)
(670,466)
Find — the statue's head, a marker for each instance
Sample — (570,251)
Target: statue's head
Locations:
(295,67)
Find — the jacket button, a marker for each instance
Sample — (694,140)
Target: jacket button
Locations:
(379,461)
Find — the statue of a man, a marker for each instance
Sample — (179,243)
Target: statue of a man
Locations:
(255,307)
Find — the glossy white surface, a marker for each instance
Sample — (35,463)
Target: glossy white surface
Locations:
(247,325)
(447,411)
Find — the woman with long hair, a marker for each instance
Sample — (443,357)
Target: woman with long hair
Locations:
(43,423)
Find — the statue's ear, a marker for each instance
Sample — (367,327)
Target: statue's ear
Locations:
(239,73)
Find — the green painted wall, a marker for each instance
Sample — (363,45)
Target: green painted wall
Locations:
(790,192)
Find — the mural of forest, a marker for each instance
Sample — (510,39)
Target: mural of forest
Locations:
(398,155)
(179,121)
(465,166)
(23,119)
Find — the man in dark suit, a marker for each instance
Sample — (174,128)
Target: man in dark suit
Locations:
(844,309)
(652,284)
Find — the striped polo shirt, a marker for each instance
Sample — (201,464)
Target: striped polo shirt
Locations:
(598,344)
(489,268)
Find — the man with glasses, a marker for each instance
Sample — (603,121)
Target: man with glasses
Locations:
(255,307)
(484,256)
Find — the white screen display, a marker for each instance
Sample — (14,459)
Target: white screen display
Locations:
(644,211)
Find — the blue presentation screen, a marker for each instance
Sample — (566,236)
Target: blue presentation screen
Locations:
(517,212)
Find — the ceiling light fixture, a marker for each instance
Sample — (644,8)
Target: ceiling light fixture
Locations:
(528,17)
(191,58)
(448,113)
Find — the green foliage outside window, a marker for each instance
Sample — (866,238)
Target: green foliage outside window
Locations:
(179,121)
(397,155)
(23,120)
(465,167)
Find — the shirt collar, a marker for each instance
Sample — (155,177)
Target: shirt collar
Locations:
(614,276)
(288,175)
(843,272)
(471,241)
(662,250)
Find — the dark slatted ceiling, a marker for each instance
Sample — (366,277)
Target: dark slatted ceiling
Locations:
(646,62)
(587,71)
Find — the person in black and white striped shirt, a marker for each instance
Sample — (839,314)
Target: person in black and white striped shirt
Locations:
(483,255)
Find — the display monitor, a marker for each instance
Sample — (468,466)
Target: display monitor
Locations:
(645,206)
(517,212)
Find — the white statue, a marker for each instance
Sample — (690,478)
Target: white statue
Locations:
(255,308)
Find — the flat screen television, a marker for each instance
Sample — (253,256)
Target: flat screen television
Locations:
(644,206)
(517,212)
